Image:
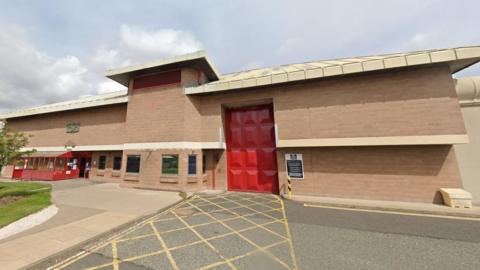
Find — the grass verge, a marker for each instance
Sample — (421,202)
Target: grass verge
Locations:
(36,196)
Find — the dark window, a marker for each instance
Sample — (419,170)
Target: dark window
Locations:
(133,164)
(204,163)
(192,164)
(117,163)
(170,164)
(101,162)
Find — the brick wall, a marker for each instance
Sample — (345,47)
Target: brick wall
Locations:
(98,126)
(151,176)
(403,173)
(108,174)
(397,103)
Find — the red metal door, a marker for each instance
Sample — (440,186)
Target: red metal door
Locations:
(251,153)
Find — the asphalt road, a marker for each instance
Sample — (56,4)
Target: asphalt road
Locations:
(331,239)
(262,232)
(227,231)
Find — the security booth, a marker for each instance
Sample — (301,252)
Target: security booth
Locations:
(51,166)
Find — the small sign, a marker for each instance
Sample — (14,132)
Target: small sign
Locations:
(73,127)
(294,164)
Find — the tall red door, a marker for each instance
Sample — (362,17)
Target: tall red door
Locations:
(251,154)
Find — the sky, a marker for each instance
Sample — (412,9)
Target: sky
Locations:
(57,50)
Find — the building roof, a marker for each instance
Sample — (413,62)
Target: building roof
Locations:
(468,90)
(198,60)
(456,58)
(117,97)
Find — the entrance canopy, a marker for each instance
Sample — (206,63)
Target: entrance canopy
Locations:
(52,154)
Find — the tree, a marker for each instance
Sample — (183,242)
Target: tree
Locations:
(11,144)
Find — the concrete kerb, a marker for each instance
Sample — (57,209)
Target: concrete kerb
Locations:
(85,246)
(386,209)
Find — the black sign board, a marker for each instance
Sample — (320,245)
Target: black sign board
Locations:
(294,165)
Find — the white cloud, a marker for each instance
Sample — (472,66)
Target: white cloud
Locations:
(29,76)
(162,42)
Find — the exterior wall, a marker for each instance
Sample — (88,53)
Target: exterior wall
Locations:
(108,174)
(98,126)
(150,175)
(396,173)
(163,114)
(469,154)
(397,103)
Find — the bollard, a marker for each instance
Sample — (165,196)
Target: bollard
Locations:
(289,186)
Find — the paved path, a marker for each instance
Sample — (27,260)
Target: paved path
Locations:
(326,238)
(86,210)
(228,231)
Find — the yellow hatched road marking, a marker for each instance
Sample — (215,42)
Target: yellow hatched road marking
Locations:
(289,235)
(249,221)
(242,256)
(164,246)
(150,221)
(114,255)
(246,239)
(205,241)
(179,247)
(258,212)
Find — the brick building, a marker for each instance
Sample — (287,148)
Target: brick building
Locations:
(377,127)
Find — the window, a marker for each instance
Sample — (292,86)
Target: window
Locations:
(170,164)
(60,164)
(101,162)
(30,163)
(133,164)
(192,164)
(50,163)
(117,163)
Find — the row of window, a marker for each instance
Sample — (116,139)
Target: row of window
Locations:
(117,163)
(169,164)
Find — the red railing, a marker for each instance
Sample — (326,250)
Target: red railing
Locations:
(29,174)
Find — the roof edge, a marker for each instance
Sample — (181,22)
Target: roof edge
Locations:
(121,75)
(69,105)
(457,58)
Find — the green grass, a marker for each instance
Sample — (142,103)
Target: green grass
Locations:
(37,197)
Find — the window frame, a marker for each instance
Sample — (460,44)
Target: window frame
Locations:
(139,164)
(177,156)
(194,164)
(113,163)
(104,163)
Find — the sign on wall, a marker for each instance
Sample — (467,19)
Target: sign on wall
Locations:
(294,164)
(73,127)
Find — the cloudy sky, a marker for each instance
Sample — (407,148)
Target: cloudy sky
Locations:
(58,50)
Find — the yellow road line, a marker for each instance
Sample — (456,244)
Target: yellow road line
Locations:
(290,243)
(254,210)
(151,220)
(253,223)
(241,256)
(178,247)
(114,255)
(205,241)
(248,240)
(389,212)
(258,225)
(164,246)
